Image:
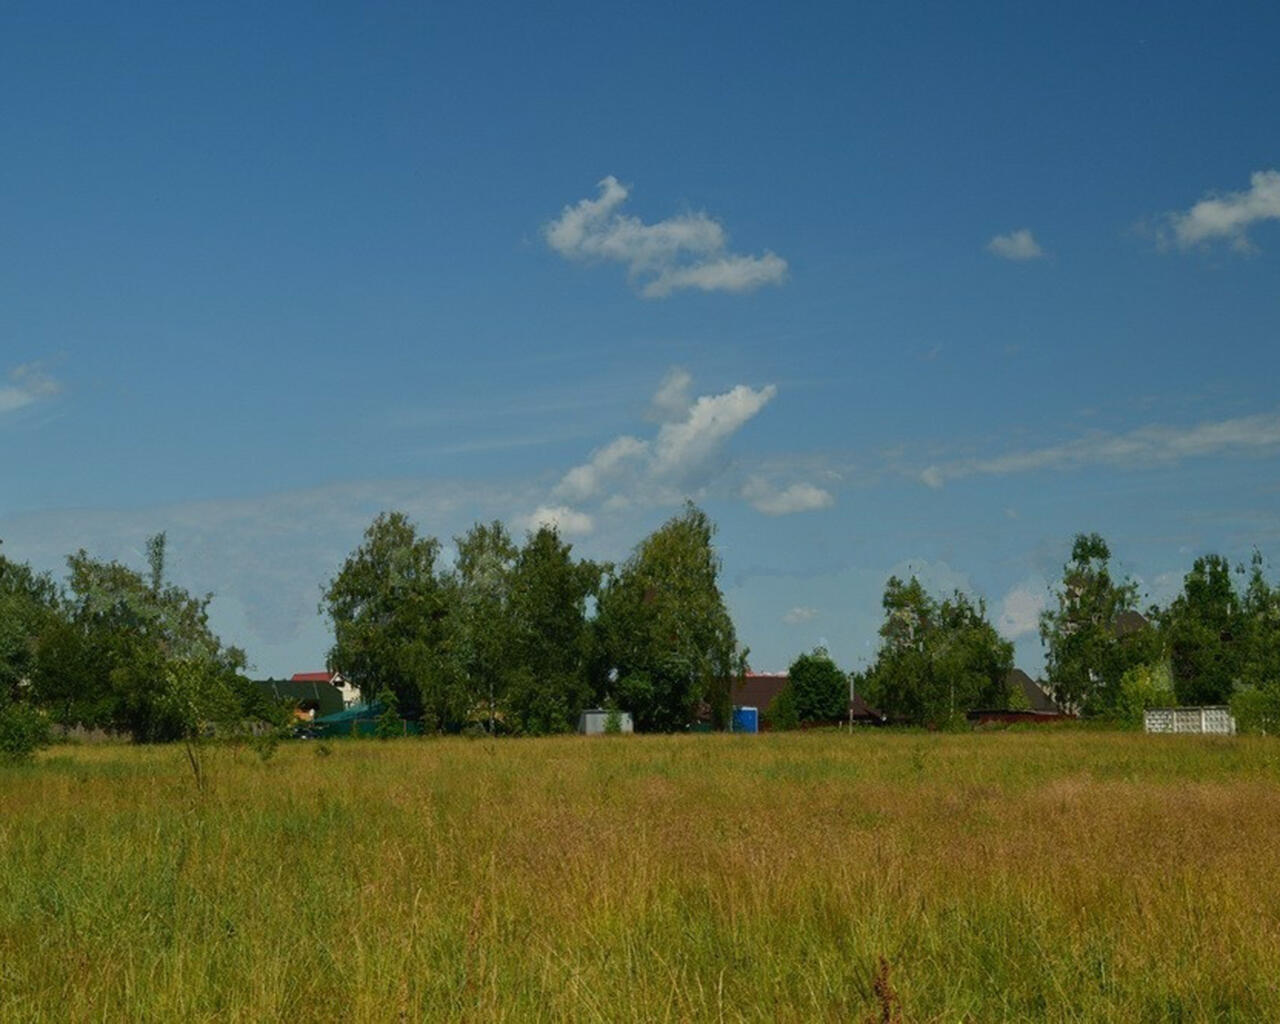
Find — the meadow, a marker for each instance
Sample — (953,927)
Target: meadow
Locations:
(1065,875)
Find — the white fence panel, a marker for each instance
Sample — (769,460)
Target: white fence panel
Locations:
(1217,720)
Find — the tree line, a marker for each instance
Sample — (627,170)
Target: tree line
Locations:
(520,637)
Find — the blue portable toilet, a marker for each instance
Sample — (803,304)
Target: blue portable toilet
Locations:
(746,720)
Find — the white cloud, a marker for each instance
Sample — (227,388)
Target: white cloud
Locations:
(1017,245)
(562,518)
(1145,446)
(799,615)
(685,251)
(586,481)
(27,385)
(672,399)
(682,448)
(681,460)
(728,274)
(1229,216)
(1020,611)
(799,497)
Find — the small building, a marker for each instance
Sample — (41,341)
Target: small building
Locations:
(349,691)
(1212,720)
(1035,693)
(595,721)
(310,698)
(745,720)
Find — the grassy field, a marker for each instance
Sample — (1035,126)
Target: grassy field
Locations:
(1001,876)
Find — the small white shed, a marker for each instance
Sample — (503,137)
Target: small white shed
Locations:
(1216,719)
(594,721)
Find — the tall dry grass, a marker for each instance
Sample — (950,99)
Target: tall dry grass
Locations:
(1066,876)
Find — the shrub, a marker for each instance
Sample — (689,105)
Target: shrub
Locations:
(781,712)
(23,730)
(1257,710)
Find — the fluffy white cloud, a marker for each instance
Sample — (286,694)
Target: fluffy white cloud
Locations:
(683,447)
(589,479)
(27,385)
(798,615)
(799,497)
(685,251)
(566,520)
(1229,216)
(1020,611)
(1150,445)
(1017,245)
(679,460)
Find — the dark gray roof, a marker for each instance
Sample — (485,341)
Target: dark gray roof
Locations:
(1037,697)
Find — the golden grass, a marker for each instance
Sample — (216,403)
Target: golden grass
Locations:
(1004,876)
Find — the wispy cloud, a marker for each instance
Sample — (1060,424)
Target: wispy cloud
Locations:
(798,497)
(28,384)
(685,251)
(797,616)
(673,398)
(1227,217)
(1018,246)
(1149,445)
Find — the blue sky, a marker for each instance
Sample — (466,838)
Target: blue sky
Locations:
(886,288)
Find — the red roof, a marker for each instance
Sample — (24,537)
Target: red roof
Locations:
(311,677)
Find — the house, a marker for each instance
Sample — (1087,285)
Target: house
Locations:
(759,689)
(1036,695)
(1040,710)
(350,692)
(310,698)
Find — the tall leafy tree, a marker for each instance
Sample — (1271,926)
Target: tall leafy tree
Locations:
(28,607)
(551,634)
(667,643)
(1206,634)
(147,655)
(1095,633)
(480,630)
(937,659)
(391,611)
(819,690)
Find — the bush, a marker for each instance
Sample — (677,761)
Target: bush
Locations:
(23,730)
(781,712)
(1257,710)
(1143,687)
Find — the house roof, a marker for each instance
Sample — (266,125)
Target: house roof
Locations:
(758,690)
(321,693)
(1038,698)
(311,677)
(1129,622)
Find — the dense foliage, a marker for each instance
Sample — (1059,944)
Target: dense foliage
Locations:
(937,659)
(819,691)
(1095,634)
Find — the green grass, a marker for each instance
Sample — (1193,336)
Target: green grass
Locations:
(1002,876)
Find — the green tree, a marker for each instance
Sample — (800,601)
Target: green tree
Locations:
(1094,635)
(1205,632)
(666,641)
(392,616)
(819,689)
(29,604)
(1260,662)
(481,637)
(389,724)
(937,660)
(550,634)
